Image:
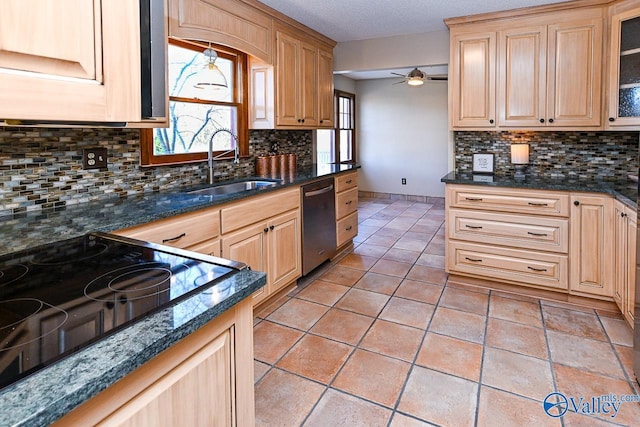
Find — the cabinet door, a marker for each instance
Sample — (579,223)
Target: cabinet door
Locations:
(308,85)
(473,75)
(574,73)
(621,256)
(592,245)
(74,60)
(248,245)
(285,263)
(325,88)
(198,392)
(624,82)
(630,290)
(210,247)
(522,76)
(288,68)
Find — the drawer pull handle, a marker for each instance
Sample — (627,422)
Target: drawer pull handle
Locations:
(172,239)
(537,234)
(348,181)
(538,204)
(536,269)
(349,228)
(473,259)
(474,227)
(473,199)
(349,202)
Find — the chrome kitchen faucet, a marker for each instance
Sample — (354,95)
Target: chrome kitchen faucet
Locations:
(210,156)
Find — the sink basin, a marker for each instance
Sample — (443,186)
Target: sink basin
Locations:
(235,187)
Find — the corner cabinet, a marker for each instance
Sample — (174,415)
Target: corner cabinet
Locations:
(204,379)
(70,60)
(624,82)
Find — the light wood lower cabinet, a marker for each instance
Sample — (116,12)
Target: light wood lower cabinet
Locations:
(204,380)
(592,245)
(625,260)
(346,208)
(548,239)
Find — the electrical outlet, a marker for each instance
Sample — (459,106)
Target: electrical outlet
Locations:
(404,181)
(94,158)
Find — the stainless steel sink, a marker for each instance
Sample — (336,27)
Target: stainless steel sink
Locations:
(235,187)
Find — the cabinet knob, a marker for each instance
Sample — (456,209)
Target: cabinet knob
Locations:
(541,120)
(622,214)
(577,203)
(321,121)
(266,229)
(271,227)
(491,121)
(302,120)
(612,119)
(550,120)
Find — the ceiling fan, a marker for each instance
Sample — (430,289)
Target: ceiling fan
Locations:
(416,77)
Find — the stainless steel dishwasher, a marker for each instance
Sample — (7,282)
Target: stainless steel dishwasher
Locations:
(318,224)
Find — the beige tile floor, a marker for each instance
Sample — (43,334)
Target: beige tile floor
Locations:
(379,338)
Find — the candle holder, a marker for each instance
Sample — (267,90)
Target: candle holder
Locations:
(520,159)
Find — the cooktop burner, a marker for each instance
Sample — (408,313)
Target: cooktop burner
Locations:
(59,298)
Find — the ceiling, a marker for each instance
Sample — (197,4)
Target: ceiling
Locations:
(348,20)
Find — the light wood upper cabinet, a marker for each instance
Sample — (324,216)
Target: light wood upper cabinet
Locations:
(550,75)
(302,72)
(325,88)
(527,69)
(70,60)
(522,76)
(624,81)
(592,246)
(575,73)
(472,72)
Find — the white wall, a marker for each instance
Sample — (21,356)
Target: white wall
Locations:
(402,133)
(344,84)
(392,52)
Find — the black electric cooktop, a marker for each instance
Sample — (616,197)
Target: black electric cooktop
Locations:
(59,298)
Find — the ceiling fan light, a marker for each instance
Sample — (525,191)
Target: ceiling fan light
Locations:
(415,81)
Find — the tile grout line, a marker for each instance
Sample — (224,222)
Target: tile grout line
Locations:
(484,347)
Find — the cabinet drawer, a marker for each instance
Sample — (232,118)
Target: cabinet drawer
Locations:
(347,228)
(509,200)
(260,208)
(180,231)
(520,231)
(346,202)
(513,265)
(344,182)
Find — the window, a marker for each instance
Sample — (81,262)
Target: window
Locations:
(338,145)
(196,114)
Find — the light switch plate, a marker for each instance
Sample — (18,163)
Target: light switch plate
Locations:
(94,158)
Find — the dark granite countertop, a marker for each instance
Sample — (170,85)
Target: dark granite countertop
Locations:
(50,393)
(625,191)
(36,228)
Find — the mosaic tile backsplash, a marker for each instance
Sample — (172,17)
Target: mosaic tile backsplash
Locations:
(591,155)
(41,168)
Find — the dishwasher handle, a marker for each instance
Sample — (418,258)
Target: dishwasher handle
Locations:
(320,191)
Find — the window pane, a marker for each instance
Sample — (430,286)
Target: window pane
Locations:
(191,127)
(184,66)
(324,146)
(346,139)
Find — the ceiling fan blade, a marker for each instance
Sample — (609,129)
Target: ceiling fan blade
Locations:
(401,75)
(438,78)
(399,83)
